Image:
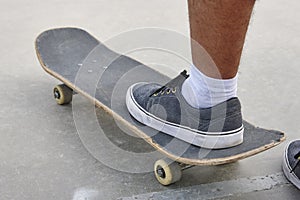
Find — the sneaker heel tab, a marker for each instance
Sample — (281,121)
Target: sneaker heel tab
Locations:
(184,73)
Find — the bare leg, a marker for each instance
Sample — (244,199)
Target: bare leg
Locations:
(220,27)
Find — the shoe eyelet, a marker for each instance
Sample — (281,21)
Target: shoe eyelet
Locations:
(168,91)
(174,90)
(155,94)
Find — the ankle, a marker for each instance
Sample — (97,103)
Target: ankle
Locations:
(201,91)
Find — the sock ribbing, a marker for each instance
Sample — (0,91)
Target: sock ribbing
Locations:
(201,91)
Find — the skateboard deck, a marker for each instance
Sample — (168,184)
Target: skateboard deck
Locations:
(90,68)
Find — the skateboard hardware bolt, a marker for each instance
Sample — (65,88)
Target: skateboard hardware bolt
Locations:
(161,172)
(56,94)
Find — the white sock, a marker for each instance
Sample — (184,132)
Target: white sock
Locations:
(201,91)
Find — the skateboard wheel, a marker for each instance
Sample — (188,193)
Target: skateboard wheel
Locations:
(62,94)
(167,172)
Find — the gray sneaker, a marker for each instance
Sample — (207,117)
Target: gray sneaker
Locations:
(165,109)
(291,163)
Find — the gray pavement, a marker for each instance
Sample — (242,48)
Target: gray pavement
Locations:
(41,153)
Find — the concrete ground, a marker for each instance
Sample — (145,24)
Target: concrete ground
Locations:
(41,154)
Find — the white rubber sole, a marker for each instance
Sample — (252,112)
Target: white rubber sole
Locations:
(286,168)
(213,140)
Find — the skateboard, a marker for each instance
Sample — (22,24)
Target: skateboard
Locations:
(86,66)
